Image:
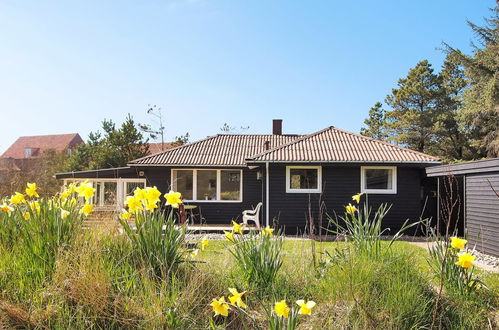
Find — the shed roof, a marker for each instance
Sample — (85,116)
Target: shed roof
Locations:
(478,166)
(40,143)
(335,145)
(217,150)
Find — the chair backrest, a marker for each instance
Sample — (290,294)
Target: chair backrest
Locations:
(257,208)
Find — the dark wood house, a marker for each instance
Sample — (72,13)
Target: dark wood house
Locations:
(474,189)
(292,175)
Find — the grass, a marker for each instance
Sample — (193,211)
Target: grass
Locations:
(97,284)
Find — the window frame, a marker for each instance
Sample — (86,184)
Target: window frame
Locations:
(290,190)
(218,187)
(391,191)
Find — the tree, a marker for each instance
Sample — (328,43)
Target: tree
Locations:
(481,100)
(154,133)
(415,104)
(115,148)
(182,139)
(376,123)
(227,129)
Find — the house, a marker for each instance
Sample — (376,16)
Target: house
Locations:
(291,174)
(474,189)
(23,154)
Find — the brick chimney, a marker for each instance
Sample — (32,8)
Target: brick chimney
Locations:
(277,126)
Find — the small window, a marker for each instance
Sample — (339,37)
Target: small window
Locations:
(379,179)
(230,185)
(207,185)
(28,152)
(303,179)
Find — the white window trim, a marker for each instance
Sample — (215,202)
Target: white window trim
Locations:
(289,190)
(218,188)
(393,190)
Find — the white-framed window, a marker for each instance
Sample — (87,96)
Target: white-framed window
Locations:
(208,185)
(378,179)
(111,193)
(303,179)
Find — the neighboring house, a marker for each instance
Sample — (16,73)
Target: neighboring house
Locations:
(228,173)
(23,153)
(475,193)
(157,147)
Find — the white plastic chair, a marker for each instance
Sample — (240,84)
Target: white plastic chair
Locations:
(253,215)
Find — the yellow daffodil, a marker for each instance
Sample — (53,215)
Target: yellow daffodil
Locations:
(150,205)
(357,197)
(125,215)
(153,194)
(350,209)
(87,209)
(64,214)
(17,198)
(35,206)
(281,309)
(140,194)
(134,204)
(86,190)
(31,190)
(173,199)
(237,228)
(194,253)
(267,231)
(204,243)
(305,307)
(458,243)
(65,194)
(26,216)
(220,307)
(73,202)
(229,236)
(236,298)
(465,260)
(6,208)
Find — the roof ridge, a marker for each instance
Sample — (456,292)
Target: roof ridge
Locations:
(172,149)
(43,135)
(385,143)
(303,137)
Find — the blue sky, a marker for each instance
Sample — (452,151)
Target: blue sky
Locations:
(67,65)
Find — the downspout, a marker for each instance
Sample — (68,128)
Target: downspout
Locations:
(267,193)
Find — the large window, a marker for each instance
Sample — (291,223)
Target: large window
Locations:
(208,185)
(379,179)
(303,179)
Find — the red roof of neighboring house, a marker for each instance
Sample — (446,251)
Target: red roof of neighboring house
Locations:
(34,146)
(155,148)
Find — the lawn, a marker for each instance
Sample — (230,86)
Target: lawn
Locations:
(54,274)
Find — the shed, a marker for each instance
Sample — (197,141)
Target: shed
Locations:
(480,196)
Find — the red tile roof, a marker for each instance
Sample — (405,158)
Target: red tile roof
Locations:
(217,150)
(41,143)
(155,148)
(332,145)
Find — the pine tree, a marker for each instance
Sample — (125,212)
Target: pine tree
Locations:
(415,105)
(376,123)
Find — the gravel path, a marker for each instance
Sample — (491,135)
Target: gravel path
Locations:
(484,261)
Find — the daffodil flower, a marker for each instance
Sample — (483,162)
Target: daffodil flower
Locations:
(64,214)
(6,209)
(204,243)
(458,243)
(26,216)
(305,307)
(237,228)
(465,260)
(35,206)
(86,190)
(267,231)
(150,205)
(173,199)
(140,194)
(229,236)
(194,253)
(87,209)
(153,194)
(236,298)
(31,190)
(350,209)
(357,197)
(125,215)
(281,309)
(17,198)
(220,307)
(134,204)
